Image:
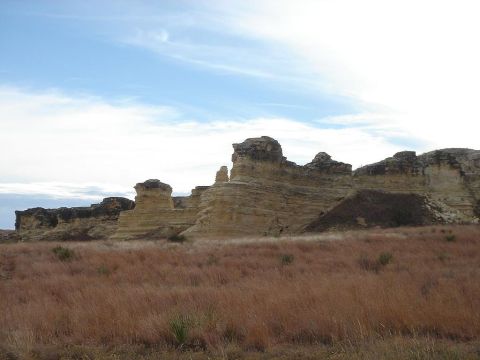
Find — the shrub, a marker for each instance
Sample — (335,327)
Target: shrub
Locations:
(450,238)
(103,270)
(286,259)
(177,238)
(385,258)
(212,260)
(180,326)
(63,254)
(443,257)
(375,265)
(368,264)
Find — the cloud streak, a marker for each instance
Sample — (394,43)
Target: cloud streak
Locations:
(412,65)
(61,145)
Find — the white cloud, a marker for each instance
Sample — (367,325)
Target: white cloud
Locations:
(417,60)
(62,146)
(411,65)
(59,190)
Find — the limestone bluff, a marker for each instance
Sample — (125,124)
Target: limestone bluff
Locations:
(266,194)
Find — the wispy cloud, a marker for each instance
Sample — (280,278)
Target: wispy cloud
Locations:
(399,63)
(220,57)
(59,190)
(411,65)
(69,146)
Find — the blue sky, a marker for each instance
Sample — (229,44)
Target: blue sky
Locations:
(98,95)
(75,49)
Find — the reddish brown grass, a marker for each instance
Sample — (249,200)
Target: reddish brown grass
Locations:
(246,294)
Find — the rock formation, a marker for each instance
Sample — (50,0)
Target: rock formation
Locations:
(222,175)
(369,208)
(98,221)
(8,236)
(156,213)
(451,176)
(268,195)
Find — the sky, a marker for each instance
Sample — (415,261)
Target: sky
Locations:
(96,96)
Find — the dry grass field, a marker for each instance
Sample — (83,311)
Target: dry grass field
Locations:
(409,293)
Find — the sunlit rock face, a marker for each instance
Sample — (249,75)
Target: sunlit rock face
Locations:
(269,195)
(98,221)
(222,175)
(266,194)
(157,214)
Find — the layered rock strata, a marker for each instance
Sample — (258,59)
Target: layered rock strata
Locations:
(451,176)
(98,221)
(157,214)
(8,236)
(269,195)
(266,194)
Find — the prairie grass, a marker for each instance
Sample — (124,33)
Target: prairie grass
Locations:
(248,296)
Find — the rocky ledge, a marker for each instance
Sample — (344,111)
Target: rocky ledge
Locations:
(98,221)
(8,236)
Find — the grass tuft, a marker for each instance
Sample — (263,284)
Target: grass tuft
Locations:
(177,238)
(287,259)
(63,254)
(385,258)
(450,238)
(179,327)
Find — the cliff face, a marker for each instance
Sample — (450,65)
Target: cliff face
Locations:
(8,236)
(98,221)
(266,194)
(368,208)
(157,214)
(450,176)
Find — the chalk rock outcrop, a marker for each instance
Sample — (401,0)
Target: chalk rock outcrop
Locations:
(157,214)
(451,176)
(269,195)
(222,175)
(98,221)
(266,194)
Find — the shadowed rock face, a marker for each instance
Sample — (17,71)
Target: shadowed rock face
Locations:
(405,162)
(323,162)
(153,184)
(259,149)
(82,223)
(408,163)
(8,236)
(371,208)
(38,218)
(450,176)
